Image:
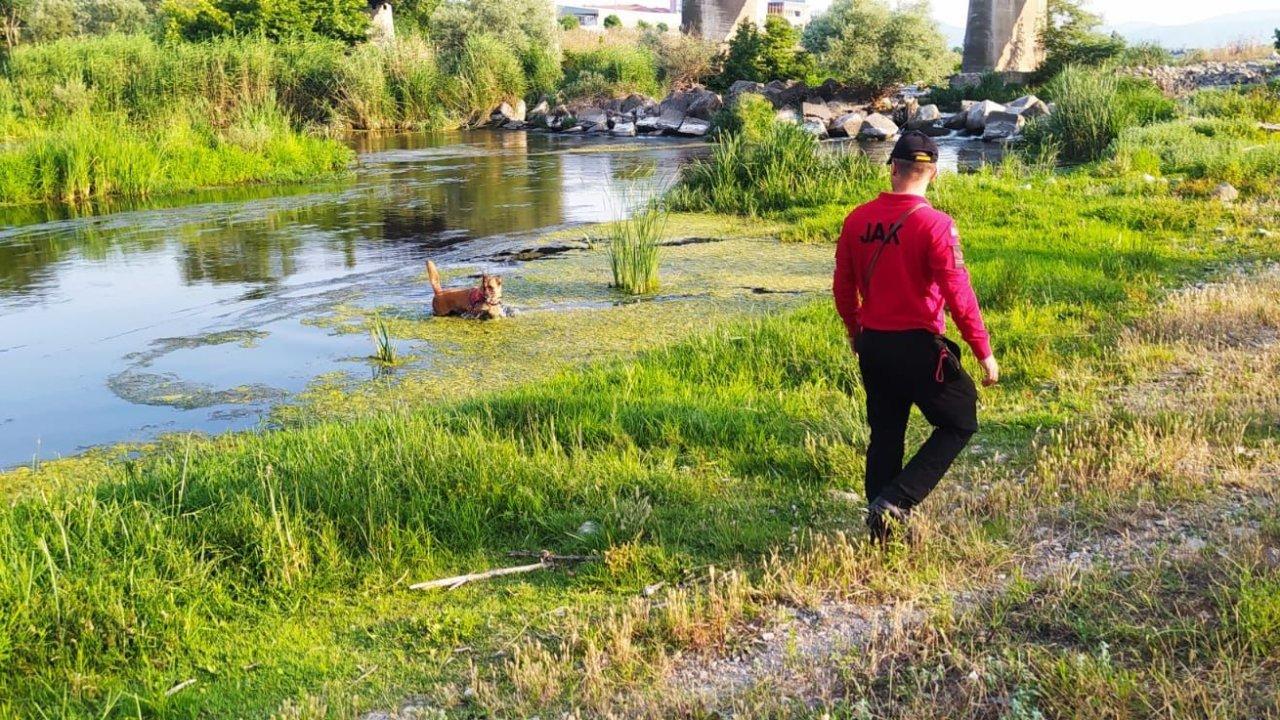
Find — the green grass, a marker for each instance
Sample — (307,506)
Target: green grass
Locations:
(271,566)
(130,117)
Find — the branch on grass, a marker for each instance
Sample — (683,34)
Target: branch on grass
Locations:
(545,560)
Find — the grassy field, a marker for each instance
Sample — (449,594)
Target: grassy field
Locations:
(1108,548)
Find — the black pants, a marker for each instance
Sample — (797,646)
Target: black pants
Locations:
(901,369)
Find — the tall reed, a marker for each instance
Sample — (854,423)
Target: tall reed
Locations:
(633,250)
(384,351)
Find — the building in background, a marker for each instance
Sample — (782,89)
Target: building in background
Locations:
(591,14)
(718,19)
(796,12)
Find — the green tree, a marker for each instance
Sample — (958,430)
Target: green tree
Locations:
(612,21)
(570,22)
(345,20)
(528,28)
(1071,37)
(1277,38)
(13,15)
(742,59)
(781,56)
(415,13)
(869,45)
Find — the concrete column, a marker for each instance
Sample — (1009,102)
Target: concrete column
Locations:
(718,19)
(1004,35)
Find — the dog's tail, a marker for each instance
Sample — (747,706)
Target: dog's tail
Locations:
(434,275)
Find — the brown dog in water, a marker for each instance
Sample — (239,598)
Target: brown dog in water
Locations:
(482,303)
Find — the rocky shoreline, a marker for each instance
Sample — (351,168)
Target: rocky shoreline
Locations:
(827,111)
(1184,79)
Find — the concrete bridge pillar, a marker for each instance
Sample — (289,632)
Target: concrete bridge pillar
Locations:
(718,19)
(1004,35)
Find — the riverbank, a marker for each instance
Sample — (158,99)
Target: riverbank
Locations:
(713,477)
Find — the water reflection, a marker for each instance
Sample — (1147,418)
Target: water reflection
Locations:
(82,297)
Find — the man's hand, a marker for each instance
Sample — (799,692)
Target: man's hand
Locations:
(991,370)
(853,344)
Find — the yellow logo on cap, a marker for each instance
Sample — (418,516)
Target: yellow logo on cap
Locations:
(923,157)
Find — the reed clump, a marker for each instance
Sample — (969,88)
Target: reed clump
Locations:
(633,251)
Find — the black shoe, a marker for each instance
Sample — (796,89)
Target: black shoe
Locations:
(884,520)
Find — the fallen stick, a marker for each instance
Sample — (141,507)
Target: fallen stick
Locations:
(545,561)
(179,687)
(457,580)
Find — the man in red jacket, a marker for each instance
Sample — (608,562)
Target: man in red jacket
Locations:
(897,265)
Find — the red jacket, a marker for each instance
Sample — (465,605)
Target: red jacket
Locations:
(920,270)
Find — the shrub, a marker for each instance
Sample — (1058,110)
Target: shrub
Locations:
(686,59)
(1071,38)
(1261,104)
(570,22)
(521,24)
(488,74)
(48,20)
(612,21)
(1094,107)
(624,68)
(991,87)
(1148,54)
(767,167)
(873,47)
(344,20)
(762,56)
(750,115)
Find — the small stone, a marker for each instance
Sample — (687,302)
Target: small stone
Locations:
(589,527)
(1226,193)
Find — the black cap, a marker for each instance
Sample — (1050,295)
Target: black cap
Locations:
(915,146)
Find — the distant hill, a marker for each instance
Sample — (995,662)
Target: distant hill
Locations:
(953,33)
(1258,25)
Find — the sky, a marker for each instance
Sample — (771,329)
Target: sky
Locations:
(1163,12)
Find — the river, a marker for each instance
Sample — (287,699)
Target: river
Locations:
(192,315)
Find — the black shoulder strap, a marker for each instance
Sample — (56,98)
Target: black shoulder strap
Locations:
(875,259)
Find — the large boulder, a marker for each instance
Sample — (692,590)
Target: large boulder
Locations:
(905,112)
(935,130)
(789,115)
(592,116)
(924,117)
(815,127)
(697,102)
(670,120)
(506,113)
(634,103)
(1002,126)
(1029,107)
(956,121)
(976,121)
(705,105)
(877,127)
(816,109)
(848,125)
(538,115)
(694,127)
(623,128)
(745,86)
(651,123)
(786,94)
